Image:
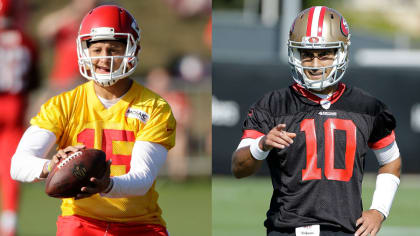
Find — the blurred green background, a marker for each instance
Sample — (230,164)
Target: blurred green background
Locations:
(239,205)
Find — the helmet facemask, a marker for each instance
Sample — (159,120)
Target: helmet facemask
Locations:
(129,59)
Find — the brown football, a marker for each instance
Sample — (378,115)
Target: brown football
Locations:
(72,173)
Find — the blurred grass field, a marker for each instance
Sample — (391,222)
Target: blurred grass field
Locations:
(239,206)
(186,208)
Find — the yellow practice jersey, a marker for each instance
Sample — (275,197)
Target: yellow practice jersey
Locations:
(78,117)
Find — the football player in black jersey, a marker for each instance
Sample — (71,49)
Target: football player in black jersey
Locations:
(314,136)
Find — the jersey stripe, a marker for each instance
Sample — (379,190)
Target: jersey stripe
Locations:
(250,133)
(383,142)
(309,25)
(321,21)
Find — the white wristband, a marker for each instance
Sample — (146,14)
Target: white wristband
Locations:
(386,187)
(256,151)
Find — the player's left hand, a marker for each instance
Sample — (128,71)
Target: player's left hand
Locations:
(99,185)
(370,223)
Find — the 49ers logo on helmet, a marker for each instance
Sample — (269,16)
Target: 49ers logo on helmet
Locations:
(344,27)
(313,39)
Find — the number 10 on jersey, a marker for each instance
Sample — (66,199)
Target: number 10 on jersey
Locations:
(311,171)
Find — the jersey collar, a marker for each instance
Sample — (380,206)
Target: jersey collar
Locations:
(309,95)
(125,100)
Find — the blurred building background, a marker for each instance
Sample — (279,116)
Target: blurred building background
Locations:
(250,59)
(175,61)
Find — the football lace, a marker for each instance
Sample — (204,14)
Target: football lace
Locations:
(69,158)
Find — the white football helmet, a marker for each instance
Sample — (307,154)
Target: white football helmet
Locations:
(319,28)
(108,22)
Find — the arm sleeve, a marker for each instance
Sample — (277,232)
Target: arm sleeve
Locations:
(29,159)
(146,160)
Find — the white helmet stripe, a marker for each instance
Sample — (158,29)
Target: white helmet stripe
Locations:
(316,21)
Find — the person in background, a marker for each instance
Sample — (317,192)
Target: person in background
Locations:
(60,29)
(18,77)
(160,81)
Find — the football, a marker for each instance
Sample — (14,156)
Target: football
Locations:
(72,173)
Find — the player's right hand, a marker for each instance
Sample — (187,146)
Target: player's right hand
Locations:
(277,138)
(99,185)
(62,153)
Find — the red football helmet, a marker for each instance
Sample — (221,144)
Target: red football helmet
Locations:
(319,27)
(108,22)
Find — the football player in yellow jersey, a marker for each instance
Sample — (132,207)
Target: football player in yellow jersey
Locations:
(131,124)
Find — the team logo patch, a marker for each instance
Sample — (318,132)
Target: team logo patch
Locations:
(313,40)
(344,27)
(137,114)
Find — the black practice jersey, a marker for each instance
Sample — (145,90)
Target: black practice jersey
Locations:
(318,179)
